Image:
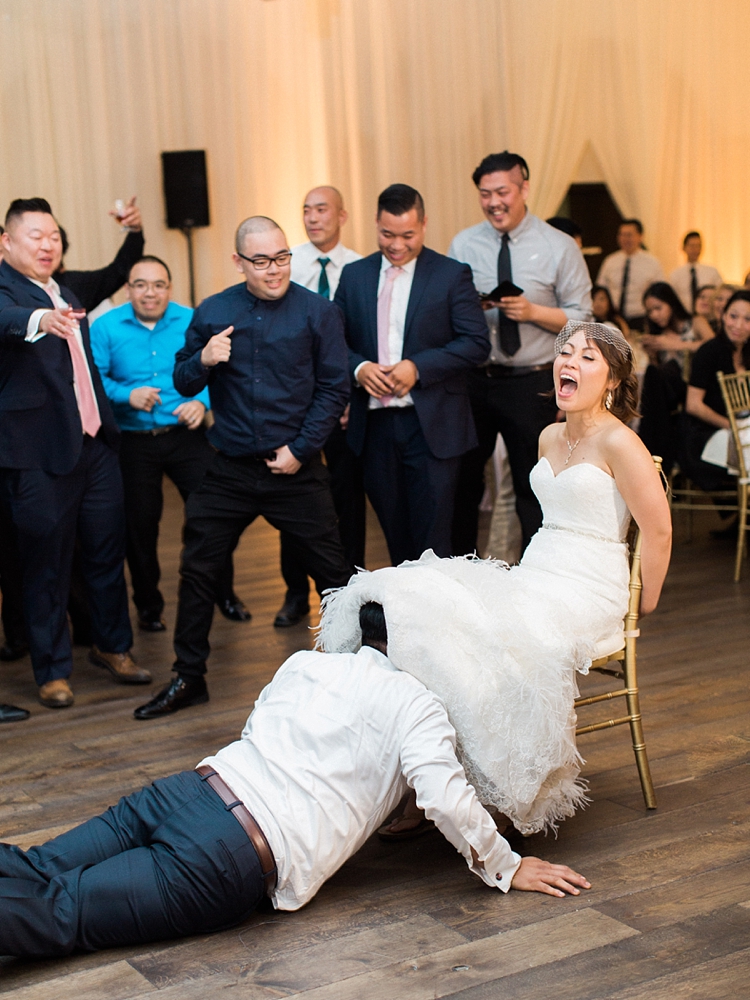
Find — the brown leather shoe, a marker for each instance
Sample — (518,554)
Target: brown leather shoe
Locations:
(56,694)
(122,666)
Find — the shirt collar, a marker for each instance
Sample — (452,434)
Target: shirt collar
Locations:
(408,268)
(168,315)
(513,235)
(336,255)
(51,283)
(375,654)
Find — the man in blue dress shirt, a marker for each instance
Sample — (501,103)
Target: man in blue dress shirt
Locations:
(275,362)
(134,348)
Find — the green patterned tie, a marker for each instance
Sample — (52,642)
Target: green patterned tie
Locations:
(323,287)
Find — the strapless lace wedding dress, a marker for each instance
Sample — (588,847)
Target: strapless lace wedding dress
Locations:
(501,646)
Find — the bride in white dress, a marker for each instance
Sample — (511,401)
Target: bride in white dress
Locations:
(501,646)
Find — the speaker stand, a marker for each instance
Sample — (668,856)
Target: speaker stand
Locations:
(188,231)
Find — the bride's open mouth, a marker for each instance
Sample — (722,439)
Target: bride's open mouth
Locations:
(568,386)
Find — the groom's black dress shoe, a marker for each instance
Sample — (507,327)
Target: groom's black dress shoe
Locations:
(10,651)
(9,713)
(291,612)
(233,609)
(180,693)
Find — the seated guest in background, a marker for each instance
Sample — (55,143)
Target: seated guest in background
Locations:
(603,310)
(414,328)
(134,347)
(511,392)
(58,459)
(728,352)
(690,277)
(628,272)
(197,852)
(672,335)
(722,295)
(704,303)
(567,226)
(317,265)
(273,357)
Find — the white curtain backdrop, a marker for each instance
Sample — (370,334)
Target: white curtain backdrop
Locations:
(286,94)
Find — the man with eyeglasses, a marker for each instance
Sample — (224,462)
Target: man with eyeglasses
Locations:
(275,362)
(134,348)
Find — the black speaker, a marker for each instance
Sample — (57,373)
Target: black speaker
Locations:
(185,188)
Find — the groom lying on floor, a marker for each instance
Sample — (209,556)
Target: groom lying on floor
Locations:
(329,750)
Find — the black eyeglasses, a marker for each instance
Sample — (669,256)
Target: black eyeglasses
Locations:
(263,263)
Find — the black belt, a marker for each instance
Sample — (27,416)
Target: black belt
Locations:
(156,431)
(509,371)
(246,820)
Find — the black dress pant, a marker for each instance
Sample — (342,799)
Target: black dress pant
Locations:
(519,408)
(233,493)
(48,511)
(145,459)
(662,395)
(348,491)
(11,576)
(165,862)
(411,491)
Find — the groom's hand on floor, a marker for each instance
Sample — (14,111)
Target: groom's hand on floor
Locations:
(535,875)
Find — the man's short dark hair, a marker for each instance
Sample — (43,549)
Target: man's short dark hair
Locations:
(63,240)
(154,260)
(565,225)
(398,199)
(23,205)
(693,234)
(633,222)
(500,163)
(372,623)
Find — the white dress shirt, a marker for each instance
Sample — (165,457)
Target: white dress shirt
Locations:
(332,745)
(306,265)
(679,279)
(645,269)
(547,264)
(33,333)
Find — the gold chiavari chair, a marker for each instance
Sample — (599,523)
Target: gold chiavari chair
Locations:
(621,665)
(736,392)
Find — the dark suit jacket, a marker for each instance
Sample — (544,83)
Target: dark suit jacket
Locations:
(445,336)
(40,425)
(93,287)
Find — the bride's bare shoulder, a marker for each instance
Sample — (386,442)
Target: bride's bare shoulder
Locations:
(551,434)
(623,447)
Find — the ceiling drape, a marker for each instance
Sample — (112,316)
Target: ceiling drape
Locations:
(286,94)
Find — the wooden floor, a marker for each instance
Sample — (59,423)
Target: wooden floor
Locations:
(668,915)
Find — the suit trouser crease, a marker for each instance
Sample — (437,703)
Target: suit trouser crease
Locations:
(233,493)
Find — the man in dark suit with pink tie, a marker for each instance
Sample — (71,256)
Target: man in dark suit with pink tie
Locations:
(414,327)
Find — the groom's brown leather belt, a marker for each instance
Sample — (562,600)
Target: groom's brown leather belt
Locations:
(246,821)
(511,371)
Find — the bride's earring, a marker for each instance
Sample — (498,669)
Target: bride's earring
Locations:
(608,400)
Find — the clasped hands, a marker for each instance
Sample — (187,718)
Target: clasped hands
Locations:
(388,380)
(190,413)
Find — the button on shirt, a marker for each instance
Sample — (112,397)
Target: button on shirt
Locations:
(645,269)
(545,263)
(328,752)
(306,266)
(129,355)
(286,381)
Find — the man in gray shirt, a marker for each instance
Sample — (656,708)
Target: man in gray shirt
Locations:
(552,286)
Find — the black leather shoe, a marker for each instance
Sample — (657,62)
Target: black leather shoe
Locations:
(9,713)
(151,621)
(10,651)
(292,612)
(180,693)
(233,609)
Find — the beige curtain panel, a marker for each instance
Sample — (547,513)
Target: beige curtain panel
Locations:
(287,94)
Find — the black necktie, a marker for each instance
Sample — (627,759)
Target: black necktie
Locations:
(323,287)
(624,292)
(510,339)
(693,287)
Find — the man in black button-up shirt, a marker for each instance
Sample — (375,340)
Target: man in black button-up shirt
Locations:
(275,361)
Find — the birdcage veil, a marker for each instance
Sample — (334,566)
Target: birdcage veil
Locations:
(594,331)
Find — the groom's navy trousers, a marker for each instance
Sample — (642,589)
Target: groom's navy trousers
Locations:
(165,862)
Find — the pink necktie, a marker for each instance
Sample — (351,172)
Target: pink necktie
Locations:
(384,319)
(86,400)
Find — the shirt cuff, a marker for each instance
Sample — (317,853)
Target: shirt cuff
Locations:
(358,368)
(499,867)
(32,327)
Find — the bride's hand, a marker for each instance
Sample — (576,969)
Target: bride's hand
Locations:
(535,875)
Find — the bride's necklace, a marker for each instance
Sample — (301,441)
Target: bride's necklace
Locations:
(571,448)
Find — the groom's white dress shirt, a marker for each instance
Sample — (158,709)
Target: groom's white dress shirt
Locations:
(332,745)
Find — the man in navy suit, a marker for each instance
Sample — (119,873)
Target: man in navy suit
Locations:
(58,458)
(414,327)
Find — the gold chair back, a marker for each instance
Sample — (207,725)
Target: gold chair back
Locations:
(735,390)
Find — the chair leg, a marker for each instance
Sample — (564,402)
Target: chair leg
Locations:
(741,533)
(636,725)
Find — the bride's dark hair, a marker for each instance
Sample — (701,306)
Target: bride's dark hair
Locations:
(622,370)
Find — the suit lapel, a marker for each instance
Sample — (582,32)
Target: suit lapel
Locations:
(371,298)
(33,291)
(419,283)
